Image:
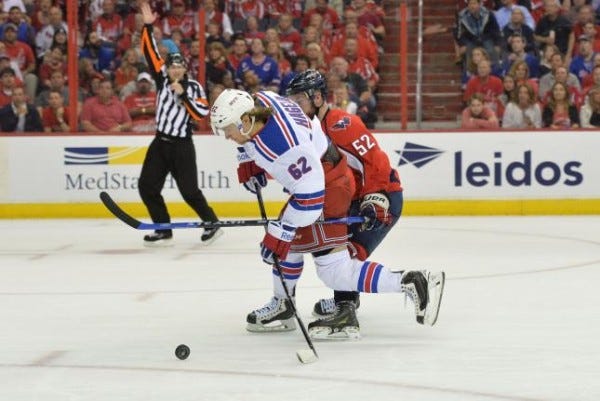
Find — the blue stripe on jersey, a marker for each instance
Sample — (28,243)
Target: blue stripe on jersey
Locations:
(281,116)
(312,201)
(378,270)
(263,149)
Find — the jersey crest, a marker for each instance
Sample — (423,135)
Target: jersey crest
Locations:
(341,124)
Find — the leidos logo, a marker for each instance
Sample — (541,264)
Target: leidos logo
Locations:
(522,172)
(417,155)
(104,155)
(516,173)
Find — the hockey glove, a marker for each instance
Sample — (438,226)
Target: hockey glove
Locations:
(249,174)
(277,241)
(375,208)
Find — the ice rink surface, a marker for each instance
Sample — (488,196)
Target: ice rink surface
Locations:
(89,314)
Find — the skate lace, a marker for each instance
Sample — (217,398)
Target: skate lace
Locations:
(328,305)
(269,309)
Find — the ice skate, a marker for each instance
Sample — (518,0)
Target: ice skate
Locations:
(158,239)
(325,307)
(210,235)
(277,315)
(425,289)
(342,325)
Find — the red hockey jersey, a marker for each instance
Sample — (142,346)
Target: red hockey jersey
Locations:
(371,165)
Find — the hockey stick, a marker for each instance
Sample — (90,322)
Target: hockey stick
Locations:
(304,356)
(126,218)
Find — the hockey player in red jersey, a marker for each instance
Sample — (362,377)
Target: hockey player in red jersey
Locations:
(378,190)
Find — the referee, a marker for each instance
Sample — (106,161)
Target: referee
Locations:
(179,100)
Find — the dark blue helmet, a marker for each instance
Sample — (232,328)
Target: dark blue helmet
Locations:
(175,58)
(307,82)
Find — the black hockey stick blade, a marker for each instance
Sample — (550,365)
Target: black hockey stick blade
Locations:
(118,212)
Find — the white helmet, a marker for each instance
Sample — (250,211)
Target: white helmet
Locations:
(228,109)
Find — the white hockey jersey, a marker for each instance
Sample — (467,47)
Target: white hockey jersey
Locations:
(289,148)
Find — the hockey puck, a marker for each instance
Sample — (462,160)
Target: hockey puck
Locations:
(182,351)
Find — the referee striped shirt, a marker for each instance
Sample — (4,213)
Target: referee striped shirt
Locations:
(174,113)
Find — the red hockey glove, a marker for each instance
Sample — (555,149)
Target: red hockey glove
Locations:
(249,174)
(277,241)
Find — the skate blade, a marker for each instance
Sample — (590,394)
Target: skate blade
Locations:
(163,243)
(272,327)
(436,290)
(213,239)
(326,333)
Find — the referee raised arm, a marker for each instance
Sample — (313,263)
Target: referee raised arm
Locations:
(179,101)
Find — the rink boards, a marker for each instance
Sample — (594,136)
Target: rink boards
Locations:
(443,173)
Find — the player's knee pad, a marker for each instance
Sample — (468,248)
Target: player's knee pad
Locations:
(335,270)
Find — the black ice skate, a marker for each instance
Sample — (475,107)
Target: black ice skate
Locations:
(325,307)
(342,325)
(158,238)
(277,315)
(425,289)
(210,235)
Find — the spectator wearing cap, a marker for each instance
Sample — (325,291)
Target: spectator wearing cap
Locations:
(19,115)
(55,116)
(179,18)
(25,32)
(142,104)
(105,112)
(583,63)
(8,83)
(45,36)
(22,53)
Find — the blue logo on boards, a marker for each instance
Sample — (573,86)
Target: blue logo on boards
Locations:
(417,155)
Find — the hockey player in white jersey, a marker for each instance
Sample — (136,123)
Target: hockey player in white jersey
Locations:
(278,138)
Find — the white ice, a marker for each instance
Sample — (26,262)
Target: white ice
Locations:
(87,313)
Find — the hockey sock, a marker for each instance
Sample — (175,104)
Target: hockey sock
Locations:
(292,270)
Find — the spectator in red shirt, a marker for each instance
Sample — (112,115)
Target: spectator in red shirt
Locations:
(54,60)
(331,19)
(109,25)
(22,53)
(178,18)
(142,105)
(478,116)
(584,15)
(366,48)
(488,85)
(592,79)
(105,112)
(369,17)
(275,8)
(289,37)
(55,116)
(360,65)
(221,19)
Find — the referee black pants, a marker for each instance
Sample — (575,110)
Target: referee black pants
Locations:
(178,157)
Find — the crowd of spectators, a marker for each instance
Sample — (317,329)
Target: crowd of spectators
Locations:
(249,44)
(529,63)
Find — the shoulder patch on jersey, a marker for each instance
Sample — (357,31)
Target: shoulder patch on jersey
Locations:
(341,124)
